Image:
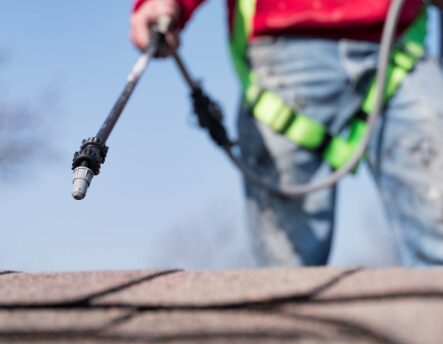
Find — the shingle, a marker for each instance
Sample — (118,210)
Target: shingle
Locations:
(314,305)
(206,287)
(61,287)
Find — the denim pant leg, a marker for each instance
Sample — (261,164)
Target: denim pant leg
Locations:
(309,76)
(284,232)
(406,155)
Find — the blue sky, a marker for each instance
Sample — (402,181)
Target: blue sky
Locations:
(166,195)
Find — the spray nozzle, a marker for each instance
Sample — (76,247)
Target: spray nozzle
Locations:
(81,181)
(87,162)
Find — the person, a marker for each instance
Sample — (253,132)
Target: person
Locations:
(319,57)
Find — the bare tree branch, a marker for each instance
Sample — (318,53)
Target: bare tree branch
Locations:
(25,134)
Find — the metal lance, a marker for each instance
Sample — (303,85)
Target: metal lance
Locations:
(92,154)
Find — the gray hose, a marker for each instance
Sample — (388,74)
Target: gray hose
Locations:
(387,40)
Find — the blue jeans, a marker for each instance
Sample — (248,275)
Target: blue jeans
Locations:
(327,79)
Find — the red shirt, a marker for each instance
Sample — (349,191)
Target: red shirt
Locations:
(354,19)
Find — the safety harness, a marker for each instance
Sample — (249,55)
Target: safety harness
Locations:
(268,108)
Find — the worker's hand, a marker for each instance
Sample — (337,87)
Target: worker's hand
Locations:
(149,14)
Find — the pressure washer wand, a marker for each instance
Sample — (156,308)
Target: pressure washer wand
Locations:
(92,154)
(133,79)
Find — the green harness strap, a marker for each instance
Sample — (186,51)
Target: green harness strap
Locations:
(270,109)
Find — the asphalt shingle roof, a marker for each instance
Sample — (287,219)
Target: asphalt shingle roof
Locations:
(313,305)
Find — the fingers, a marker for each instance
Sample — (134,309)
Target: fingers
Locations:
(147,15)
(173,40)
(172,43)
(139,32)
